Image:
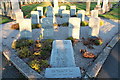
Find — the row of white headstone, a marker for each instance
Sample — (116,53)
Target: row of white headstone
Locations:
(50,13)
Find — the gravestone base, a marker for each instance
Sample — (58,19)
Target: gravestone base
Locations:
(66,72)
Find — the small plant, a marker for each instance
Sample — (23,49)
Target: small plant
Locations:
(38,45)
(21,43)
(34,26)
(101,22)
(24,52)
(98,42)
(70,38)
(84,23)
(39,65)
(65,24)
(15,26)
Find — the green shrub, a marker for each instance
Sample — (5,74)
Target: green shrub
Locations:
(24,52)
(101,22)
(15,26)
(70,38)
(39,65)
(98,42)
(34,26)
(84,23)
(21,43)
(65,24)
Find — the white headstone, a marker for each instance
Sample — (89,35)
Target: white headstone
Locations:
(19,16)
(105,6)
(40,10)
(56,7)
(47,22)
(66,72)
(15,4)
(62,54)
(1,11)
(74,27)
(94,13)
(94,24)
(61,9)
(72,10)
(25,28)
(48,33)
(49,11)
(66,13)
(35,17)
(81,14)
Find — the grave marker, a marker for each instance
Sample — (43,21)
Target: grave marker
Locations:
(49,11)
(94,13)
(66,13)
(40,10)
(25,28)
(81,14)
(94,24)
(74,27)
(72,10)
(35,17)
(61,9)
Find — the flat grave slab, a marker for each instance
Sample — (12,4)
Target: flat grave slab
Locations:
(69,72)
(62,54)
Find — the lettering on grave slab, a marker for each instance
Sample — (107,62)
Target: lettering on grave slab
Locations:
(68,72)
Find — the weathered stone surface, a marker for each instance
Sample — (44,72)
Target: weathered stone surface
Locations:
(62,54)
(72,10)
(25,28)
(40,10)
(68,72)
(74,27)
(94,24)
(35,17)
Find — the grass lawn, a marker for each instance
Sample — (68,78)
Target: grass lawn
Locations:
(4,19)
(113,14)
(28,8)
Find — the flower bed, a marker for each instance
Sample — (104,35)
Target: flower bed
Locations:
(34,53)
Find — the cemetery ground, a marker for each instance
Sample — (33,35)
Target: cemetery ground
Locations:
(32,57)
